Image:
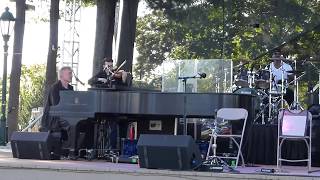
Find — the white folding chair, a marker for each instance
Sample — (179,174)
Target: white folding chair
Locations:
(293,126)
(232,114)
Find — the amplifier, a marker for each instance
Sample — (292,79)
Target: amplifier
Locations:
(168,152)
(36,145)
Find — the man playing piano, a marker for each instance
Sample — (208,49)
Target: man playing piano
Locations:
(109,76)
(53,98)
(56,124)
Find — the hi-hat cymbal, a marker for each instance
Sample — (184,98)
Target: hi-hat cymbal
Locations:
(240,65)
(295,71)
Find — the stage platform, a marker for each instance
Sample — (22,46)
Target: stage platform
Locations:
(18,169)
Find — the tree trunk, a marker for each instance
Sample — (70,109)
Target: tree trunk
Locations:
(51,69)
(14,91)
(126,32)
(104,32)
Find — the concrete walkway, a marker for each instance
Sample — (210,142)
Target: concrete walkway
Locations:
(21,169)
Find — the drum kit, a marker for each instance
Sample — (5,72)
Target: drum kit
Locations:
(270,93)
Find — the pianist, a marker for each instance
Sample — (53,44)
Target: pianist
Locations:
(53,98)
(56,124)
(109,76)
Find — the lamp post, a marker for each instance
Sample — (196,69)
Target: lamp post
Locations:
(6,26)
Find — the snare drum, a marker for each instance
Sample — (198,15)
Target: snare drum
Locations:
(276,88)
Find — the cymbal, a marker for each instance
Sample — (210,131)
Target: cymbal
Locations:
(295,71)
(240,65)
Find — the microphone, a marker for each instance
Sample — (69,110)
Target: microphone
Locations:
(199,75)
(202,75)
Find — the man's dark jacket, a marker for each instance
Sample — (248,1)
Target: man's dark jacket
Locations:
(53,98)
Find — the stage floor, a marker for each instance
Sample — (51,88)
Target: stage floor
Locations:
(11,168)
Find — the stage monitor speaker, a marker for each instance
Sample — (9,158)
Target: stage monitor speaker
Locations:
(168,152)
(35,145)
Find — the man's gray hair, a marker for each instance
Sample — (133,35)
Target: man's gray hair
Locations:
(63,69)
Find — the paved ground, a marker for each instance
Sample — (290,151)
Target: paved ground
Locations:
(12,168)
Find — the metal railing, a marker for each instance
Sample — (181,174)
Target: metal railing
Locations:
(36,115)
(32,123)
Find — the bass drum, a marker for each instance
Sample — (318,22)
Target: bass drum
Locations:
(261,96)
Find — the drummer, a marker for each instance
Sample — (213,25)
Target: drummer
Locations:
(278,66)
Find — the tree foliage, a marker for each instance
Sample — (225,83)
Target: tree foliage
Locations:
(31,91)
(153,42)
(208,29)
(213,29)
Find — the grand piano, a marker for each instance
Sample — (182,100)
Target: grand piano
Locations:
(131,105)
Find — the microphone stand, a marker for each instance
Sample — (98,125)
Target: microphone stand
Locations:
(270,96)
(77,79)
(282,85)
(184,81)
(296,104)
(317,86)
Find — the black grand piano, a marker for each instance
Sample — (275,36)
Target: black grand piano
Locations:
(141,106)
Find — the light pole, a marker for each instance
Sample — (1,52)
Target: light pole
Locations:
(6,26)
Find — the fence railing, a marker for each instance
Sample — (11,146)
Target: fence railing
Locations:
(36,115)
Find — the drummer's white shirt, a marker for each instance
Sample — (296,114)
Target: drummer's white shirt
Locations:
(277,73)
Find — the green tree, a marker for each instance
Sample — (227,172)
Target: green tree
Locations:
(31,91)
(220,29)
(154,42)
(210,29)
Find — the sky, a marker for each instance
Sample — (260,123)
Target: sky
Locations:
(36,39)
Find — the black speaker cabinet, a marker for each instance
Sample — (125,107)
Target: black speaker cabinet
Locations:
(35,145)
(168,152)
